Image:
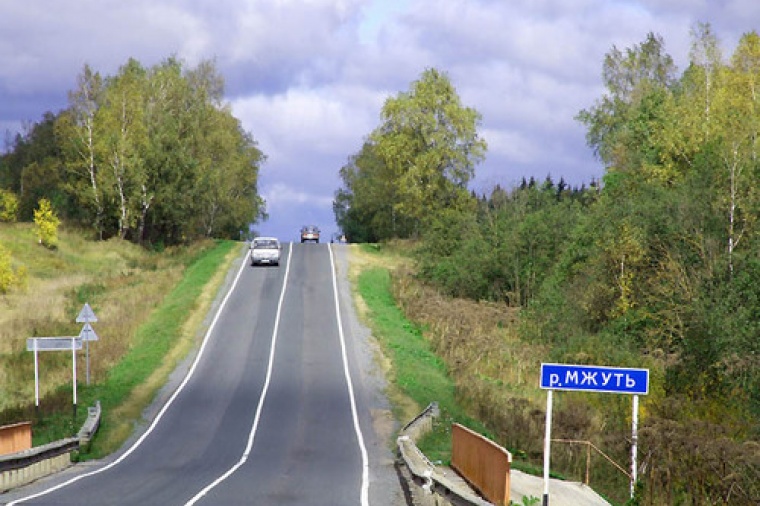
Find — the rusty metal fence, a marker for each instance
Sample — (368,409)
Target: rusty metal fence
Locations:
(483,463)
(589,447)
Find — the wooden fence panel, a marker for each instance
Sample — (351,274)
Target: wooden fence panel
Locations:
(15,438)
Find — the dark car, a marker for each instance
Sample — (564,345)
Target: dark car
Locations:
(310,233)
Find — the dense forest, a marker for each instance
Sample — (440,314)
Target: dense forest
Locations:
(151,155)
(656,265)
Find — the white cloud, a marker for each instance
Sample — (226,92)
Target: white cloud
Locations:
(308,77)
(280,196)
(323,120)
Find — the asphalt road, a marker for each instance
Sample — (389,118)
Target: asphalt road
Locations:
(279,406)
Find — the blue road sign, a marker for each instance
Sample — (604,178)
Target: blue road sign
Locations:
(591,378)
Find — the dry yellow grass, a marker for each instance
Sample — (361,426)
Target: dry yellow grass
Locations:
(121,281)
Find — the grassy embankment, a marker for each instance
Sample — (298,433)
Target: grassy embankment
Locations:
(150,308)
(417,374)
(468,357)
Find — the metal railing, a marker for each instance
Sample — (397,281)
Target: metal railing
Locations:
(589,446)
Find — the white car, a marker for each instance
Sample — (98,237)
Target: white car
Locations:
(265,251)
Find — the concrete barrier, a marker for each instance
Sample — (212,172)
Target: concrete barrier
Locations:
(428,484)
(90,426)
(24,467)
(21,468)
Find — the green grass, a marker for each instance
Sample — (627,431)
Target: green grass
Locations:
(152,345)
(417,372)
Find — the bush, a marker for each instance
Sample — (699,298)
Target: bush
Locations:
(8,276)
(8,206)
(47,224)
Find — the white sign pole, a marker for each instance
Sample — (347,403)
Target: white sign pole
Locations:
(88,361)
(634,441)
(74,367)
(36,378)
(547,445)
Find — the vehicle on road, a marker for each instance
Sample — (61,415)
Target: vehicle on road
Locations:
(309,233)
(265,251)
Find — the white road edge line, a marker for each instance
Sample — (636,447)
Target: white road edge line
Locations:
(349,383)
(260,407)
(161,413)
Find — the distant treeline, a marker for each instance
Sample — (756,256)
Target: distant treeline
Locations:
(152,155)
(656,265)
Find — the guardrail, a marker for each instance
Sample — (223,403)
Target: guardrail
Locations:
(90,426)
(21,468)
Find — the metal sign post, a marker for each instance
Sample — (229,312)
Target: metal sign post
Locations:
(88,334)
(36,377)
(37,344)
(634,441)
(547,445)
(87,315)
(590,378)
(74,375)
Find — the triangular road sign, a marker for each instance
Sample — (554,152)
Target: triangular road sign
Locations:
(86,315)
(88,333)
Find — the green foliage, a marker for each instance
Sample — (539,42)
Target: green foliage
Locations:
(528,501)
(152,155)
(416,163)
(47,224)
(8,206)
(631,77)
(9,277)
(656,269)
(502,250)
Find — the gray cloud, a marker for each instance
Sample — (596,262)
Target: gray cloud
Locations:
(308,79)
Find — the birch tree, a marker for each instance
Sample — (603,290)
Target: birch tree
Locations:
(631,77)
(739,125)
(76,127)
(430,143)
(123,142)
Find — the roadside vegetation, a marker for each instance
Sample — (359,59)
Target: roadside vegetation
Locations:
(152,155)
(131,198)
(653,266)
(149,306)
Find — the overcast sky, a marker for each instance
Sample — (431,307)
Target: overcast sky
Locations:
(307,78)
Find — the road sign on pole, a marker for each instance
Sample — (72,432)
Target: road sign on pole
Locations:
(88,333)
(87,315)
(37,344)
(53,343)
(591,378)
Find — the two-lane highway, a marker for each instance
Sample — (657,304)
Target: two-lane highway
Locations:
(268,414)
